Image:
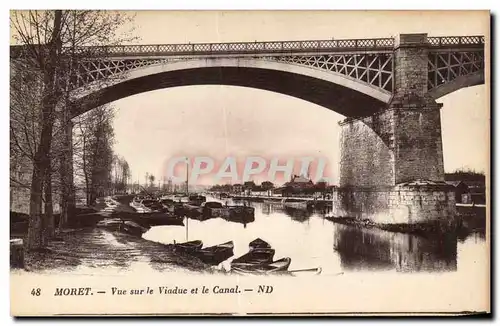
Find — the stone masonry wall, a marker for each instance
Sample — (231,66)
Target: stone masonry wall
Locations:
(394,146)
(366,158)
(411,66)
(421,204)
(418,150)
(398,205)
(399,144)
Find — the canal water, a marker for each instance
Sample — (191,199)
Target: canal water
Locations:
(311,241)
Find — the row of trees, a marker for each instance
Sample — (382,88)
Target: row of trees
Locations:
(46,66)
(121,174)
(100,171)
(465,175)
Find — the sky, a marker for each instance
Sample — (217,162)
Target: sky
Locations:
(222,121)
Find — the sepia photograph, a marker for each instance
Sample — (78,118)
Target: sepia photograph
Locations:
(249,162)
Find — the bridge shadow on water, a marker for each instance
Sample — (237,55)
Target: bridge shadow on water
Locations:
(383,250)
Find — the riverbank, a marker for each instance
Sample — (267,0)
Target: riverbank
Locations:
(469,220)
(277,199)
(93,248)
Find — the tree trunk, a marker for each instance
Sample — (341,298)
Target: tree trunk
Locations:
(36,228)
(66,174)
(34,239)
(49,209)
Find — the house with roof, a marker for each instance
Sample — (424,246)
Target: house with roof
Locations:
(298,185)
(469,187)
(462,192)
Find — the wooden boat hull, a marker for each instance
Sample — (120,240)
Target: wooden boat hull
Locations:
(256,256)
(238,214)
(258,244)
(161,219)
(279,266)
(192,210)
(216,254)
(124,226)
(133,228)
(188,247)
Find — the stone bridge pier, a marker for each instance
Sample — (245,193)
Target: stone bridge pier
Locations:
(391,163)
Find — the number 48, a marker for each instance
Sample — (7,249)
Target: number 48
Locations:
(36,292)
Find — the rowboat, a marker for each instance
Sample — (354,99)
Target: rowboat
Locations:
(189,246)
(258,243)
(275,267)
(216,254)
(117,224)
(255,256)
(133,228)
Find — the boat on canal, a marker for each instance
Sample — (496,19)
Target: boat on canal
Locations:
(258,244)
(172,206)
(150,219)
(196,199)
(120,225)
(279,266)
(188,247)
(255,257)
(238,214)
(193,208)
(215,255)
(212,209)
(162,218)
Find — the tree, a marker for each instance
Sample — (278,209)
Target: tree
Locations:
(249,185)
(321,185)
(126,174)
(151,180)
(94,151)
(48,29)
(49,43)
(267,185)
(121,174)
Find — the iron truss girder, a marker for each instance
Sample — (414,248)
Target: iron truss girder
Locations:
(375,69)
(445,66)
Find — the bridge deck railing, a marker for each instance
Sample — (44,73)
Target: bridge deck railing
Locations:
(246,47)
(355,45)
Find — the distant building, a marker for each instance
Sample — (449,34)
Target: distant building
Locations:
(462,192)
(238,188)
(473,183)
(298,185)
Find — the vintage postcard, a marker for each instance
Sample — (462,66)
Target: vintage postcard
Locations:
(249,162)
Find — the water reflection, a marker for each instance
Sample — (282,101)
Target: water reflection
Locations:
(377,249)
(312,241)
(296,214)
